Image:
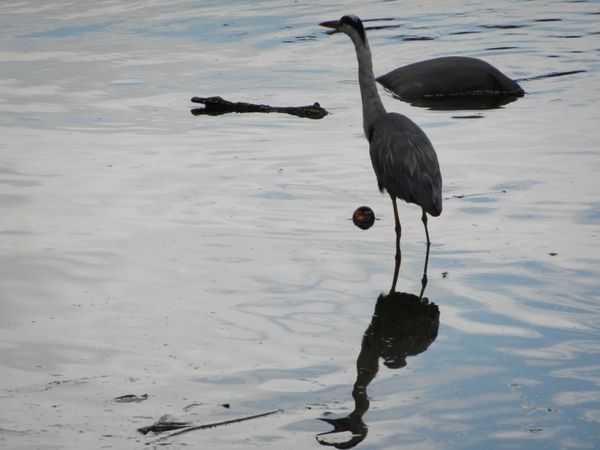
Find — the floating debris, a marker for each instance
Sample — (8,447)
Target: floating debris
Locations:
(131,398)
(216,106)
(187,428)
(162,425)
(363,217)
(552,75)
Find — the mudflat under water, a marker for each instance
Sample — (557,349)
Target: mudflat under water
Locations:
(207,267)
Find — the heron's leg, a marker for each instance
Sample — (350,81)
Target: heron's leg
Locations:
(398,227)
(396,269)
(424,220)
(424,280)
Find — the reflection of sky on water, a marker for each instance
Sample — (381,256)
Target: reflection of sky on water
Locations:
(68,32)
(213,260)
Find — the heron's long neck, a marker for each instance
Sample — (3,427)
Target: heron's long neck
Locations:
(372,106)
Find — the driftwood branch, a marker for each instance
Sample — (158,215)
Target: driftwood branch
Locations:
(215,106)
(209,425)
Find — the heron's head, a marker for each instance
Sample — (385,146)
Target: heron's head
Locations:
(349,24)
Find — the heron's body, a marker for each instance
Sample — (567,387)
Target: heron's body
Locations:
(411,171)
(403,158)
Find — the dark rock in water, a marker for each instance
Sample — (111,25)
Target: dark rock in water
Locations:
(451,76)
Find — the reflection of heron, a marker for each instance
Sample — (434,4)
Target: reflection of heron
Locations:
(403,158)
(402,325)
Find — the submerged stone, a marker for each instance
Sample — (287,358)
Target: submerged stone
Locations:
(450,76)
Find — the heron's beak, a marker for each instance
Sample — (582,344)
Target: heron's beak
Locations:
(335,24)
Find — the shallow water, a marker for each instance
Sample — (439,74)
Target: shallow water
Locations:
(209,261)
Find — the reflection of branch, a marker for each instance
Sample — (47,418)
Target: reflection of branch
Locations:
(212,425)
(215,106)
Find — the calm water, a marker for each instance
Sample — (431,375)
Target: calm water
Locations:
(210,261)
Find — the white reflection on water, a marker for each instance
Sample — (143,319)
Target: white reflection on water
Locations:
(212,260)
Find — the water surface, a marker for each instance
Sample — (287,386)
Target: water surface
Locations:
(210,261)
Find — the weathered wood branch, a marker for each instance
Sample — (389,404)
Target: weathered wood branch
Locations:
(187,428)
(215,106)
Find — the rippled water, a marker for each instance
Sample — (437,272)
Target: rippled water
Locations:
(211,261)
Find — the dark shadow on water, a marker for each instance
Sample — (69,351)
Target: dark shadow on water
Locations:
(402,325)
(459,103)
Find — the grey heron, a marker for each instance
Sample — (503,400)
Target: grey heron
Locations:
(403,158)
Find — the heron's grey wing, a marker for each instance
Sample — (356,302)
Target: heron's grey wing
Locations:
(405,162)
